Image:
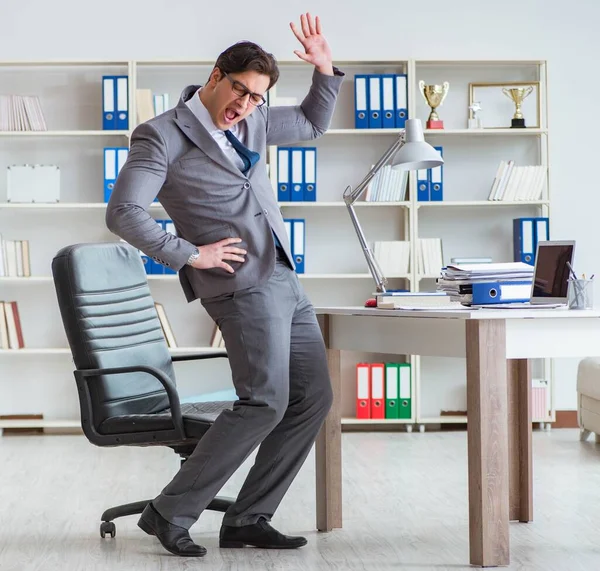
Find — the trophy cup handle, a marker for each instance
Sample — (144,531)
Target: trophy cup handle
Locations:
(528,91)
(506,92)
(445,88)
(422,90)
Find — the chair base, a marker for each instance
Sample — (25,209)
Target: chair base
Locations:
(107,527)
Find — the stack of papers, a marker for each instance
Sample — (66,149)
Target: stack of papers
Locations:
(416,301)
(457,280)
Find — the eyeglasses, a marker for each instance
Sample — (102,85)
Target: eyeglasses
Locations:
(241,91)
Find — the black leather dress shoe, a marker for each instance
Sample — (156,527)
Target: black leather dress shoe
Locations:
(260,534)
(173,538)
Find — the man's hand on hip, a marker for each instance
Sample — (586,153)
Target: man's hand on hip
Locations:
(214,255)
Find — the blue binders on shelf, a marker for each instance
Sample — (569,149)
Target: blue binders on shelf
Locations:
(297,174)
(310,174)
(401,106)
(114,159)
(295,228)
(284,192)
(375,121)
(423,194)
(298,244)
(361,102)
(436,180)
(109,119)
(388,99)
(542,230)
(122,99)
(486,293)
(527,232)
(524,240)
(115,102)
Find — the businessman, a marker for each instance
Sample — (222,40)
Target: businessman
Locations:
(205,160)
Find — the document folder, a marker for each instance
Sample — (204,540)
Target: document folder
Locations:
(501,292)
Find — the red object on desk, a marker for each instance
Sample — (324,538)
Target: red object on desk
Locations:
(371,302)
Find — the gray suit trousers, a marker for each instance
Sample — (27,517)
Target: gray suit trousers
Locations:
(279,369)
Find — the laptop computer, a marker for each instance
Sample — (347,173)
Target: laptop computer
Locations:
(550,284)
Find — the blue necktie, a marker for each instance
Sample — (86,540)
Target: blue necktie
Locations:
(249,157)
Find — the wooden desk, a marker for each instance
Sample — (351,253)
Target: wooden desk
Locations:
(497,344)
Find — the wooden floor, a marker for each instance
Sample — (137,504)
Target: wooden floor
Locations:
(405,507)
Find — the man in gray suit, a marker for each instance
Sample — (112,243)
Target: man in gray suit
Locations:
(205,160)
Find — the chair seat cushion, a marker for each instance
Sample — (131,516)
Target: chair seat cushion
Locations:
(197,419)
(588,377)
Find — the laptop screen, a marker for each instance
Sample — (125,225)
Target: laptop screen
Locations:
(551,273)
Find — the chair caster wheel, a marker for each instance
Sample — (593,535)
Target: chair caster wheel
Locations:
(108,527)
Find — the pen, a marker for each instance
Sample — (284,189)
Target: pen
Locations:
(571,270)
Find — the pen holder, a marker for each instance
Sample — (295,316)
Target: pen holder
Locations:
(581,294)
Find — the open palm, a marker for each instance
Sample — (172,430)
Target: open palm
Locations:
(316,48)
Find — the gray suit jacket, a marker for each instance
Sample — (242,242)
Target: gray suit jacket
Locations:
(208,198)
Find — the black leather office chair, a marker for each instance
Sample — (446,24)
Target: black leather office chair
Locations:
(123,368)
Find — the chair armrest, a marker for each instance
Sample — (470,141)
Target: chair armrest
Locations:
(195,356)
(81,375)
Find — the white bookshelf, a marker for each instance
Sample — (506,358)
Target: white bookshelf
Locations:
(469,224)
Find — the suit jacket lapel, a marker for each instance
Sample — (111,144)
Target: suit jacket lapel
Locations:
(197,134)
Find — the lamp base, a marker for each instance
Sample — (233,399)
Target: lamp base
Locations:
(518,123)
(438,124)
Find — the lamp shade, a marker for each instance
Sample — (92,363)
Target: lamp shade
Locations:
(415,153)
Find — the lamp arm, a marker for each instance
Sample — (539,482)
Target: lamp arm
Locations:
(351,196)
(380,280)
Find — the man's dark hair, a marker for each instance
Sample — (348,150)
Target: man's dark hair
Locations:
(248,56)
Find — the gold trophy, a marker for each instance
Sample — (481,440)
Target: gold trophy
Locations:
(434,96)
(517,94)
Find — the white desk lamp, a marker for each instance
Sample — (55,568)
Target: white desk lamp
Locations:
(409,152)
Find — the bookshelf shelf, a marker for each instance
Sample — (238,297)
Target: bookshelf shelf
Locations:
(405,204)
(65,133)
(482,203)
(63,205)
(444,132)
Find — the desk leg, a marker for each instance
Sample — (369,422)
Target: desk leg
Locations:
(487,442)
(520,477)
(329,445)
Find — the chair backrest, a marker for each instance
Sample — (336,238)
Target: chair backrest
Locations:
(110,320)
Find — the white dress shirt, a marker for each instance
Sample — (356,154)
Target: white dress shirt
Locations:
(201,113)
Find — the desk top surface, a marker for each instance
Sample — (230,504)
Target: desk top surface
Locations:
(558,313)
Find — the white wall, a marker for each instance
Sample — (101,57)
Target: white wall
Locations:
(565,34)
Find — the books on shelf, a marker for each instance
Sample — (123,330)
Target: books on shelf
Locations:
(165,325)
(388,185)
(11,332)
(21,113)
(150,105)
(429,256)
(518,183)
(14,258)
(393,257)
